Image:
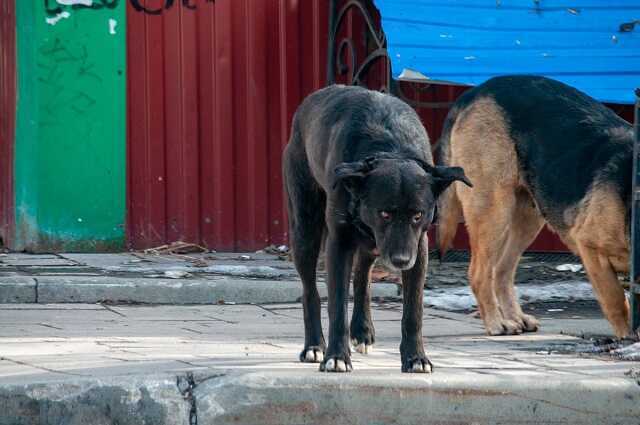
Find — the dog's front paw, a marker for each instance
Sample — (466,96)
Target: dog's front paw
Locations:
(417,364)
(336,363)
(312,354)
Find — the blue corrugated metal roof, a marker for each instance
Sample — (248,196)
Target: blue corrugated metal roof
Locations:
(470,41)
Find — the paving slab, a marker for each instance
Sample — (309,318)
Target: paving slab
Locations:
(224,364)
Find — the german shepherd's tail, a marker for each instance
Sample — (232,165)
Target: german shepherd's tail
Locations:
(449,206)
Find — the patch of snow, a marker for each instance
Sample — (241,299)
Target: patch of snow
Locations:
(234,270)
(569,268)
(630,352)
(152,268)
(176,274)
(461,298)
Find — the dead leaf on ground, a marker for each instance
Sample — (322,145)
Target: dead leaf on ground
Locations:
(382,275)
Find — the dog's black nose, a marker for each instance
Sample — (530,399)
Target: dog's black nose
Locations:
(400,261)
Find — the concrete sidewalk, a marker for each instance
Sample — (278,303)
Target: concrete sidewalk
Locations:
(237,364)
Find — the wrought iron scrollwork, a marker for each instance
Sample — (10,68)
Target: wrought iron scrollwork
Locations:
(346,47)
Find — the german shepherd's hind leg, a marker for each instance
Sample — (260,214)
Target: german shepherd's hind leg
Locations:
(488,235)
(526,223)
(481,143)
(608,290)
(362,330)
(306,204)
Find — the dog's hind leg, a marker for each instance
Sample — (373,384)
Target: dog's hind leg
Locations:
(306,204)
(362,330)
(526,223)
(481,144)
(488,228)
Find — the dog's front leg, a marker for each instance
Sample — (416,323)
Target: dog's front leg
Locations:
(338,262)
(412,353)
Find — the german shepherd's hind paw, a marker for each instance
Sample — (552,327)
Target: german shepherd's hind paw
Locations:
(334,364)
(503,327)
(417,364)
(312,354)
(529,323)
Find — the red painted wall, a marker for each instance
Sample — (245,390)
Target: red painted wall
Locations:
(7,115)
(212,91)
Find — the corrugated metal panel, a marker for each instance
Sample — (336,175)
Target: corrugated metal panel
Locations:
(7,116)
(212,91)
(590,44)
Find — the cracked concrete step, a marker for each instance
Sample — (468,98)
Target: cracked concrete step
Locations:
(93,289)
(124,401)
(288,397)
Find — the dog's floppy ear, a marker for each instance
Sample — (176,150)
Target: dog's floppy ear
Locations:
(351,174)
(444,176)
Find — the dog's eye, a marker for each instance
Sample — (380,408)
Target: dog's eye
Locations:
(385,215)
(417,217)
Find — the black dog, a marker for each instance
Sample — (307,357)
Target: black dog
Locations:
(358,169)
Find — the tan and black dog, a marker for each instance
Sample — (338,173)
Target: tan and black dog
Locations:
(358,169)
(537,151)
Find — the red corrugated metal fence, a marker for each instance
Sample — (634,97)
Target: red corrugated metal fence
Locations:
(211,95)
(7,117)
(212,91)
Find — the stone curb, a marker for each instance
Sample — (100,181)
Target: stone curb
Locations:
(288,398)
(116,400)
(305,396)
(93,289)
(19,289)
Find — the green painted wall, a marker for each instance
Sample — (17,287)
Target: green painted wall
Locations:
(70,152)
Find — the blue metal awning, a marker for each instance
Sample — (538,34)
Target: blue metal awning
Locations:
(593,45)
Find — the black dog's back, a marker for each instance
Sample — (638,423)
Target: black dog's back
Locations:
(347,123)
